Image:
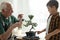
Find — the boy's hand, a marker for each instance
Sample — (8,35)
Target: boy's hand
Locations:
(38,32)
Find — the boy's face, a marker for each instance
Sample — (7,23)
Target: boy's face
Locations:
(52,9)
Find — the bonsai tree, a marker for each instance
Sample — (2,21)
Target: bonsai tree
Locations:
(30,34)
(29,22)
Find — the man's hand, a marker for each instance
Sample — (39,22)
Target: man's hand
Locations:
(6,35)
(20,15)
(17,24)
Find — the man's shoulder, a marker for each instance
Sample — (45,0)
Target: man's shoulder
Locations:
(0,17)
(0,13)
(12,16)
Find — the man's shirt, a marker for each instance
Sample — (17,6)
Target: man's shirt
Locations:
(6,22)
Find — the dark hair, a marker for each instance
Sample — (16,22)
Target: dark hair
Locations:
(53,3)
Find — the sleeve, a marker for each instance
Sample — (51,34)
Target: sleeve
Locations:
(14,19)
(1,29)
(1,26)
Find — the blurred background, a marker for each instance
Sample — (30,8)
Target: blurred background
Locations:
(35,7)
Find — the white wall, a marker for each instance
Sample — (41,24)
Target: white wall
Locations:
(35,7)
(21,6)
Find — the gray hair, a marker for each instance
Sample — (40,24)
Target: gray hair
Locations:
(3,5)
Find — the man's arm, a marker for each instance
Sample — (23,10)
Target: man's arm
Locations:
(6,35)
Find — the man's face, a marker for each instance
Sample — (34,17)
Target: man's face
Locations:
(52,9)
(8,10)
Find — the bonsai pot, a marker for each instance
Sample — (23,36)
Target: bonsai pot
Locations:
(30,34)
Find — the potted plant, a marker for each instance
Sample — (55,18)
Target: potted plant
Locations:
(29,22)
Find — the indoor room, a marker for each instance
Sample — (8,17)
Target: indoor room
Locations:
(34,18)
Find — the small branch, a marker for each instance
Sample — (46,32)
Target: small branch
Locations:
(31,28)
